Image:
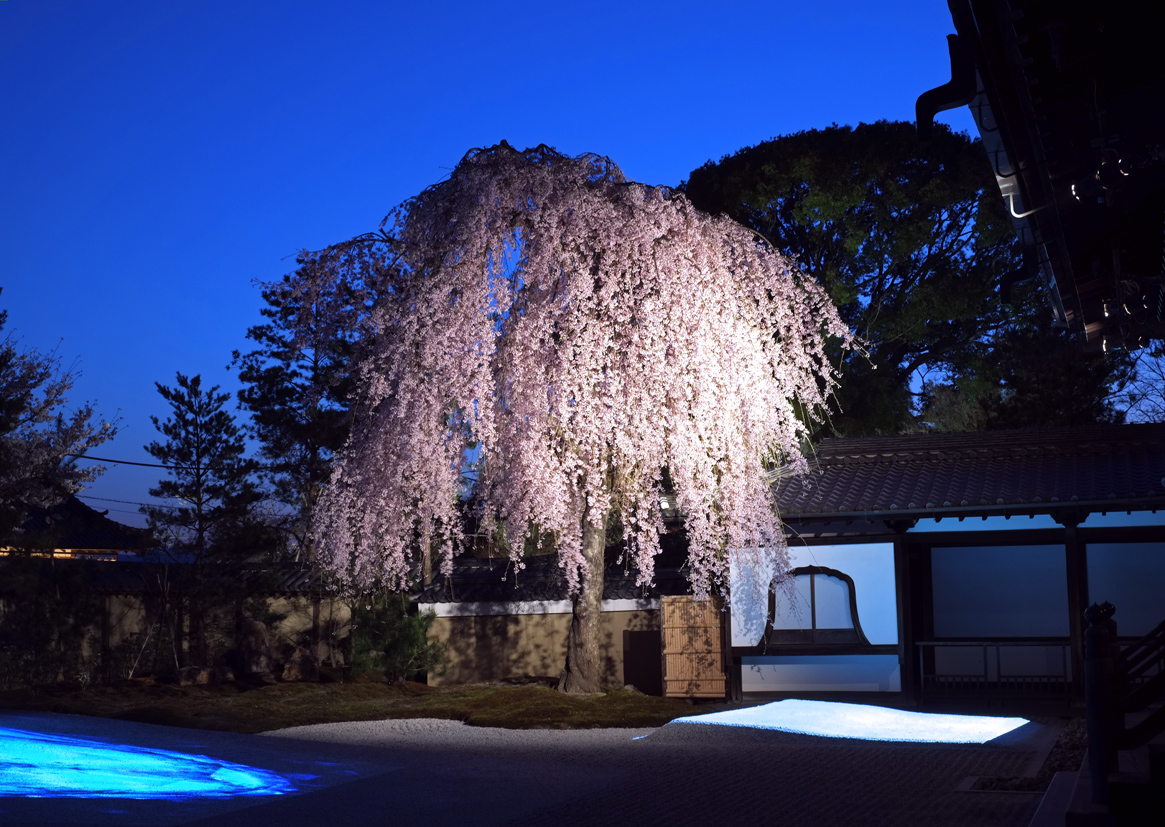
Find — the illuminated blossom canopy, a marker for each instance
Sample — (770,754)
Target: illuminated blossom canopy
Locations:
(586,332)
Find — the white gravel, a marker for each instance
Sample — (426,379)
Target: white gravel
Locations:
(439,735)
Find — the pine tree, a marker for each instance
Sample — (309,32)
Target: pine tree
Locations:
(209,474)
(211,485)
(295,382)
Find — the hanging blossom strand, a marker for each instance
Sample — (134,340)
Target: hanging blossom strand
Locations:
(587,332)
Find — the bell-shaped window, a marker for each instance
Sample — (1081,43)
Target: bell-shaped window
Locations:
(819,610)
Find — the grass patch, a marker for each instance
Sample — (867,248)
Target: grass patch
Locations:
(245,708)
(1067,754)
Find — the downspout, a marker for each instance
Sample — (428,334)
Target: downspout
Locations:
(959,91)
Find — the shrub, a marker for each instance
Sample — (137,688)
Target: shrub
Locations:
(49,614)
(390,638)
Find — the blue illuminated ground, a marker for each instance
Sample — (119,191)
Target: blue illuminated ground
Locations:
(36,765)
(868,723)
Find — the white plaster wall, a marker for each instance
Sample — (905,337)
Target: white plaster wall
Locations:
(1000,591)
(1012,662)
(748,586)
(1130,576)
(821,673)
(871,565)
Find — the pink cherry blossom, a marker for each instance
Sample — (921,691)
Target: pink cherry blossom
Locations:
(586,332)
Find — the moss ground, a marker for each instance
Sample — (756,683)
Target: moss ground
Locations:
(250,708)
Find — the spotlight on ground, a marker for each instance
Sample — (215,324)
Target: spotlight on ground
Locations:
(37,765)
(868,723)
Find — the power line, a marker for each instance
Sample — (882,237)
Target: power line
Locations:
(110,500)
(124,511)
(129,462)
(127,502)
(150,464)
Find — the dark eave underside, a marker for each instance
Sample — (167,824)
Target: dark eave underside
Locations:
(1071,109)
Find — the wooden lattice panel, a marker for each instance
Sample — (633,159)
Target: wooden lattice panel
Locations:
(693,655)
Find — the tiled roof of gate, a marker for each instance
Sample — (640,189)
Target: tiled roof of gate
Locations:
(1029,471)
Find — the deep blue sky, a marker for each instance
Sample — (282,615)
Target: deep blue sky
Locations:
(157,157)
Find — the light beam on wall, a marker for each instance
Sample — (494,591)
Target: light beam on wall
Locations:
(868,723)
(37,765)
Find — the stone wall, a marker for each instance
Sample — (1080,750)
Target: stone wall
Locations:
(519,646)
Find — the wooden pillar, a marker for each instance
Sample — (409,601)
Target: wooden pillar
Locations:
(1102,709)
(922,590)
(907,656)
(1076,567)
(733,671)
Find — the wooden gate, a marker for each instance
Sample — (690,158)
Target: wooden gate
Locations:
(693,648)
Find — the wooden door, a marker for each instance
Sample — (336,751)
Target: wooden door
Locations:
(693,648)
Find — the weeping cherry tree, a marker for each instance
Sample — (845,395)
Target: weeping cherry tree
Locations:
(587,333)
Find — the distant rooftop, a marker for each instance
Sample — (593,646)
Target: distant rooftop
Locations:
(73,528)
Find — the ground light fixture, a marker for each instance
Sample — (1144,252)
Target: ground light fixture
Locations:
(36,765)
(868,723)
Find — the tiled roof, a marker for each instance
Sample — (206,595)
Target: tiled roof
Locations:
(1002,472)
(479,580)
(149,577)
(74,525)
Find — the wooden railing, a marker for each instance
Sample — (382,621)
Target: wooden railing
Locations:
(1001,679)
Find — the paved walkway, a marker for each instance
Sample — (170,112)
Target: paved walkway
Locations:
(447,774)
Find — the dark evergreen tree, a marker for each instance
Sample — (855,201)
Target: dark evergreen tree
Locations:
(909,239)
(296,384)
(1032,374)
(211,479)
(213,493)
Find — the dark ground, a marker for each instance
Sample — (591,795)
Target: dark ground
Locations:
(682,774)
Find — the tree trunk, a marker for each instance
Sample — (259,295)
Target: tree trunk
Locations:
(583,672)
(426,561)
